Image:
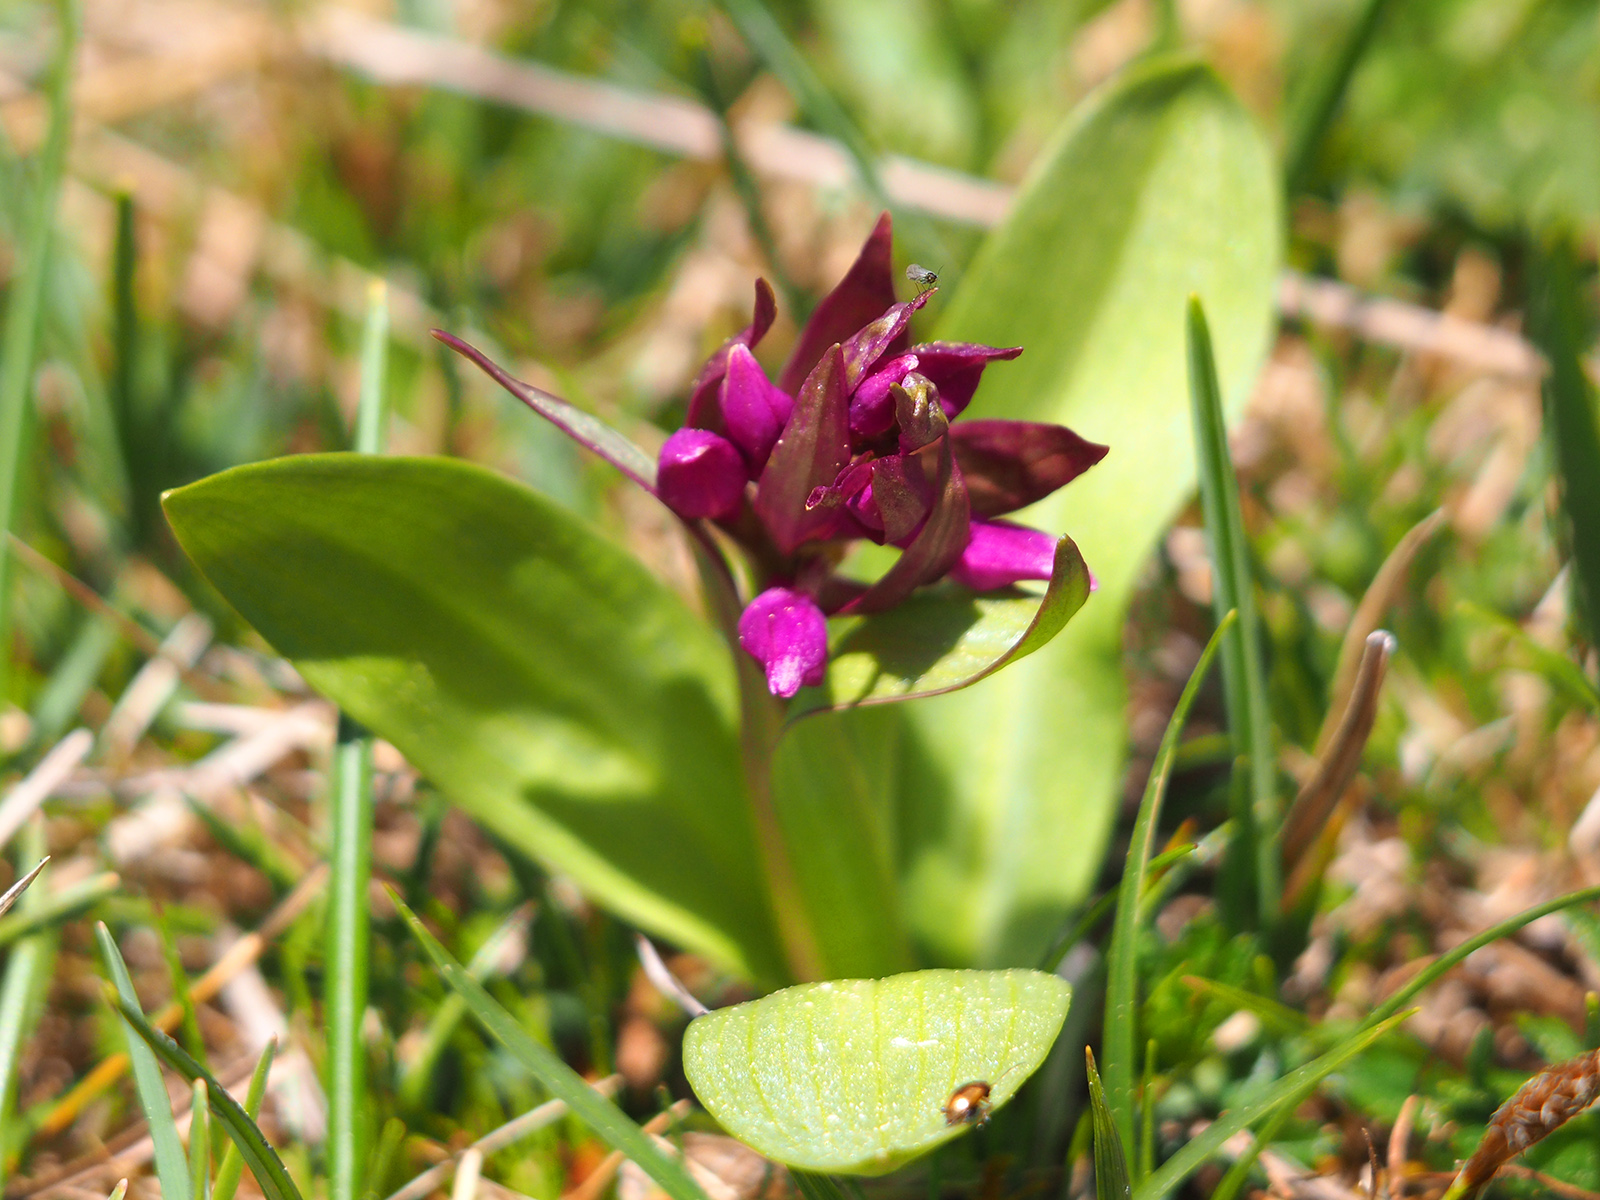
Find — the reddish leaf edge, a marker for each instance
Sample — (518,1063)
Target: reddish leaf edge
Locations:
(1064,596)
(587,430)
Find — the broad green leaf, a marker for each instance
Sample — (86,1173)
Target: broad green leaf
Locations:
(257,1152)
(608,1121)
(832,785)
(851,1077)
(944,639)
(533,670)
(1158,188)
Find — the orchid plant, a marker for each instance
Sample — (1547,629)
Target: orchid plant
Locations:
(860,439)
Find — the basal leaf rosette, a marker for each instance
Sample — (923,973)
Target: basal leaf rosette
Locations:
(861,440)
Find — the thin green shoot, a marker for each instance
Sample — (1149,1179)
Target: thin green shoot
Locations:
(189,1022)
(26,975)
(1314,115)
(486,961)
(172,1167)
(606,1119)
(1233,589)
(199,1144)
(19,341)
(232,1167)
(1122,956)
(1447,961)
(1102,907)
(1110,1160)
(1562,329)
(1239,1173)
(1146,1160)
(349,924)
(52,908)
(1288,1092)
(259,1156)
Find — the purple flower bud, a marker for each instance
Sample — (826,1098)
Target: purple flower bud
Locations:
(754,410)
(787,634)
(700,475)
(872,407)
(999,554)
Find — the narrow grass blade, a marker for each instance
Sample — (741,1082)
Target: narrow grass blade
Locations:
(1101,908)
(605,1118)
(1121,958)
(488,960)
(1239,1173)
(232,1167)
(1232,588)
(1558,669)
(172,1168)
(52,908)
(349,932)
(27,973)
(1146,1161)
(118,1192)
(1110,1160)
(1561,329)
(345,995)
(189,1024)
(766,37)
(1439,966)
(12,893)
(19,342)
(1287,1092)
(199,1144)
(1314,115)
(258,1153)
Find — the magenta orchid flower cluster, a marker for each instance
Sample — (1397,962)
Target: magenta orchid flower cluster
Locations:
(859,438)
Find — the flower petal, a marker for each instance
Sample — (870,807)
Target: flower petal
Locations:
(787,634)
(700,474)
(861,296)
(1010,464)
(999,554)
(814,448)
(754,410)
(872,408)
(936,547)
(589,431)
(956,367)
(901,495)
(868,344)
(703,396)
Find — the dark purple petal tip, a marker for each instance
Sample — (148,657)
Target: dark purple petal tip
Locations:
(999,554)
(787,634)
(700,475)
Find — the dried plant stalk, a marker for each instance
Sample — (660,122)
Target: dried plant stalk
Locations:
(1541,1106)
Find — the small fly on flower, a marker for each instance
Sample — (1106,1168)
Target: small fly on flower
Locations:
(924,279)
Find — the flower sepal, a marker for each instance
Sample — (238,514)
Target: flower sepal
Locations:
(943,639)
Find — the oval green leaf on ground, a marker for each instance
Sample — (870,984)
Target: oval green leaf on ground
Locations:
(530,668)
(942,640)
(851,1077)
(1160,187)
